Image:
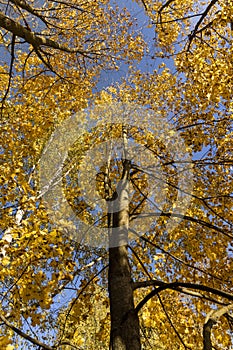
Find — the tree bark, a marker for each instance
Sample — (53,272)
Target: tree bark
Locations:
(35,40)
(211,319)
(125,330)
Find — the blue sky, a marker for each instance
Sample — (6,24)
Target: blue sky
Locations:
(148,63)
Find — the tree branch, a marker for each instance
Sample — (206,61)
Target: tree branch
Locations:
(24,335)
(203,16)
(31,38)
(10,70)
(171,323)
(144,284)
(212,318)
(144,4)
(25,6)
(173,256)
(175,285)
(77,297)
(165,5)
(185,217)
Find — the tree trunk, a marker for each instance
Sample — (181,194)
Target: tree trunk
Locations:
(125,330)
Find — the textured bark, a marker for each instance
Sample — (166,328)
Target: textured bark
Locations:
(211,319)
(207,343)
(125,330)
(36,41)
(124,320)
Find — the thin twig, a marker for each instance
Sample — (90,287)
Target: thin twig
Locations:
(10,71)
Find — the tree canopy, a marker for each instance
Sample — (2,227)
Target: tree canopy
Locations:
(116,202)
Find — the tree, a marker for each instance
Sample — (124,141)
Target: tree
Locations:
(164,187)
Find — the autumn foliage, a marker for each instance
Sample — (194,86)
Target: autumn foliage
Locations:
(170,281)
